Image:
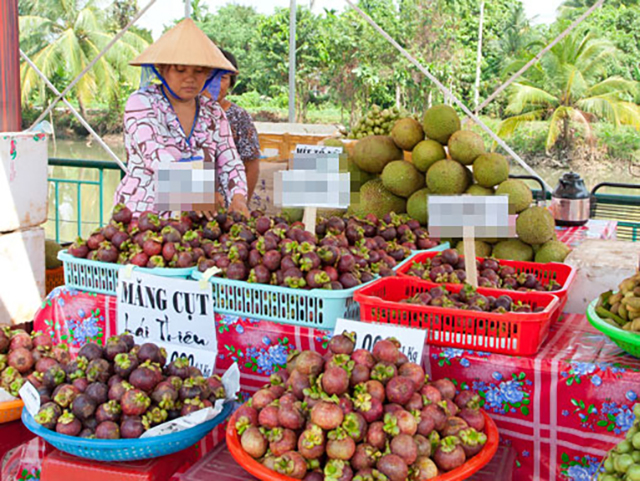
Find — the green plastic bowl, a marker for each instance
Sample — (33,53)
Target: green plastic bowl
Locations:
(625,340)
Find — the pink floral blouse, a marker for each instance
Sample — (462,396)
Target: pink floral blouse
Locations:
(152,133)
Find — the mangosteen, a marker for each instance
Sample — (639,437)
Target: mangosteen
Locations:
(131,428)
(83,407)
(91,351)
(48,415)
(99,370)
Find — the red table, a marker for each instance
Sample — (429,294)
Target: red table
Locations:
(594,229)
(560,410)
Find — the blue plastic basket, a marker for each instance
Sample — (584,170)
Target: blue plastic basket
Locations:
(102,277)
(317,308)
(126,449)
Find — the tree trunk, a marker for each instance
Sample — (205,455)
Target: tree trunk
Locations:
(565,134)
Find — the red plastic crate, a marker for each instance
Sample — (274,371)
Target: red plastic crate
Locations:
(553,271)
(510,333)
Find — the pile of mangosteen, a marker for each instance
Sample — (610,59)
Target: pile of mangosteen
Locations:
(448,268)
(23,357)
(118,391)
(360,415)
(470,299)
(342,254)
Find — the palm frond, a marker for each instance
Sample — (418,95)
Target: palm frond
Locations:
(558,116)
(526,97)
(602,107)
(509,125)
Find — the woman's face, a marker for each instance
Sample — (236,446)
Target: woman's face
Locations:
(224,86)
(186,81)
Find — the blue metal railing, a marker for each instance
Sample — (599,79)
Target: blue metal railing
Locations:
(101,166)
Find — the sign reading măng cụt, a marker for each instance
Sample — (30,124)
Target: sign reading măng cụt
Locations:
(176,314)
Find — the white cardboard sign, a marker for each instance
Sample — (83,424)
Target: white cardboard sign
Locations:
(317,149)
(176,314)
(368,333)
(313,180)
(30,397)
(487,215)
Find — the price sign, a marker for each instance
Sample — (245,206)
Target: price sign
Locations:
(317,149)
(470,217)
(313,179)
(173,313)
(188,185)
(487,215)
(367,334)
(30,397)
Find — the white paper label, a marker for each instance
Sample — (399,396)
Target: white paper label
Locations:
(176,314)
(5,396)
(231,383)
(30,397)
(367,334)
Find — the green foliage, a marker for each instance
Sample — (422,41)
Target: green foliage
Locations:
(62,38)
(572,86)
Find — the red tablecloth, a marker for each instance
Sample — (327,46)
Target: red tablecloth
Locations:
(560,410)
(594,229)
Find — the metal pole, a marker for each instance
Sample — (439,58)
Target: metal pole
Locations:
(44,114)
(187,8)
(84,123)
(292,61)
(479,59)
(10,108)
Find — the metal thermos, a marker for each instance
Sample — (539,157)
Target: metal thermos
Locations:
(570,201)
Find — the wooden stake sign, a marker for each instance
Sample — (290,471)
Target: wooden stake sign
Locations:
(470,217)
(313,180)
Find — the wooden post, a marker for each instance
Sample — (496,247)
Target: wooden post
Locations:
(470,266)
(309,219)
(10,108)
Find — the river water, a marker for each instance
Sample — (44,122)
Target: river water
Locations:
(90,205)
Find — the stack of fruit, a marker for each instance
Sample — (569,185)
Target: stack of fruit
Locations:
(148,241)
(360,415)
(621,307)
(442,159)
(448,268)
(377,122)
(623,461)
(119,391)
(25,357)
(265,250)
(470,299)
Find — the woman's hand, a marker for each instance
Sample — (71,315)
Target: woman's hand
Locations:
(239,204)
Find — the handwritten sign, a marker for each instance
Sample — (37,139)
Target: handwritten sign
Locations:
(314,179)
(487,215)
(367,334)
(317,149)
(31,398)
(185,186)
(174,313)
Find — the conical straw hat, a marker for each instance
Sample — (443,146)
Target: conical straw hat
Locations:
(184,44)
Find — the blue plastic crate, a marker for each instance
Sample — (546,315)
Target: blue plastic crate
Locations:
(317,308)
(102,277)
(126,449)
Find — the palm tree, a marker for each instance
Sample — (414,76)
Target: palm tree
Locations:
(62,37)
(570,85)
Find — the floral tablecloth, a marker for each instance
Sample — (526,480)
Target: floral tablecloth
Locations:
(560,410)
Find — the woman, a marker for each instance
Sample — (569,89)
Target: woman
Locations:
(245,134)
(172,121)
